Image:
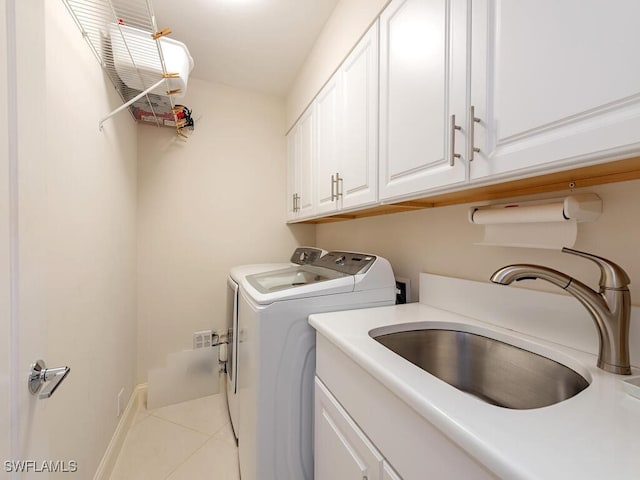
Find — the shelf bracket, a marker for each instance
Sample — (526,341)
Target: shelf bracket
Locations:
(126,105)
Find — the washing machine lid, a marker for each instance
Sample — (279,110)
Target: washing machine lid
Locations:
(292,277)
(295,282)
(335,272)
(239,272)
(300,256)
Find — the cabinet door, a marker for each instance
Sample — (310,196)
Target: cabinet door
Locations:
(326,116)
(300,168)
(292,173)
(305,162)
(341,449)
(555,84)
(423,78)
(359,123)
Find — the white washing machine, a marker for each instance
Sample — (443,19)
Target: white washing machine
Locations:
(300,256)
(276,354)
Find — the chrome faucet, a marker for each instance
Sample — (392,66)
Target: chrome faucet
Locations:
(610,307)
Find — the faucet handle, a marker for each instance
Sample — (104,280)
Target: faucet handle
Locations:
(612,276)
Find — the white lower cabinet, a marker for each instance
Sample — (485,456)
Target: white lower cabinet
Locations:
(342,450)
(363,430)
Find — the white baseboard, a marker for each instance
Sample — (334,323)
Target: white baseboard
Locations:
(137,399)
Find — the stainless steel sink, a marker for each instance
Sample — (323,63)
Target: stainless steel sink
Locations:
(491,370)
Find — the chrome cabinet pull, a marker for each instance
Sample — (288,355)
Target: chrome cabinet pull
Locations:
(336,187)
(297,202)
(472,123)
(40,375)
(333,185)
(453,155)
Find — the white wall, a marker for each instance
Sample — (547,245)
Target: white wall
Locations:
(87,217)
(5,281)
(441,241)
(348,22)
(205,205)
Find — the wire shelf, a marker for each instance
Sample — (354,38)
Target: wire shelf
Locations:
(124,37)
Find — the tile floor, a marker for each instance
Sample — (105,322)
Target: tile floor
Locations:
(187,441)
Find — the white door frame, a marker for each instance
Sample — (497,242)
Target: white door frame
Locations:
(22,264)
(6,230)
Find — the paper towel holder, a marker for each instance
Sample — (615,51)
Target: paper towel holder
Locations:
(586,207)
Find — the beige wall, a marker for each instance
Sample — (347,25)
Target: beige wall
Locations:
(441,241)
(205,205)
(88,221)
(348,22)
(5,281)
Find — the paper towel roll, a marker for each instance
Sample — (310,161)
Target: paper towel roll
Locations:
(548,235)
(550,212)
(536,224)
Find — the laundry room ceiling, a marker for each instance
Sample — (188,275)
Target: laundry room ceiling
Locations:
(255,44)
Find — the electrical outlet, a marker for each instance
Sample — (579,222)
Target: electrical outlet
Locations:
(119,402)
(202,339)
(403,290)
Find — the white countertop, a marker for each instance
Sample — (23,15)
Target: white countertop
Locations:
(595,434)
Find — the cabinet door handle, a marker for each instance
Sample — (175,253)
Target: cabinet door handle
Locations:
(333,185)
(472,123)
(452,154)
(339,186)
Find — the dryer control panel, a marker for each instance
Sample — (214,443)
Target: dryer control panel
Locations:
(346,262)
(305,255)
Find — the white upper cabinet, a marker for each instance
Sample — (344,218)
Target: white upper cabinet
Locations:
(346,113)
(300,168)
(423,86)
(441,94)
(555,84)
(359,123)
(326,113)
